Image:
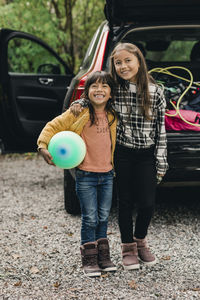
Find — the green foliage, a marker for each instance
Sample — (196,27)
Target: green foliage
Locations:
(24,56)
(88,15)
(177,51)
(67,26)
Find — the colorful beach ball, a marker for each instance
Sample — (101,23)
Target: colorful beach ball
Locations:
(67,149)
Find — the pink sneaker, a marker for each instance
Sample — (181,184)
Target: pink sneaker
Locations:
(144,252)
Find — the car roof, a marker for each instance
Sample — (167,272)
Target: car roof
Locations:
(118,12)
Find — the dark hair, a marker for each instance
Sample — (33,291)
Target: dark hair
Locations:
(142,77)
(102,77)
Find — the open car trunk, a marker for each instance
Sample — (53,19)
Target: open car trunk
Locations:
(172,54)
(168,34)
(126,11)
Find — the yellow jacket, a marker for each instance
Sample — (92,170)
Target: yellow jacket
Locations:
(67,121)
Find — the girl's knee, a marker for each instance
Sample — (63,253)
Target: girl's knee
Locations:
(90,222)
(103,220)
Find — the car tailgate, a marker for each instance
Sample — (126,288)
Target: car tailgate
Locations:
(118,11)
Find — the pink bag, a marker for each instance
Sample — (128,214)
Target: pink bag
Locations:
(177,124)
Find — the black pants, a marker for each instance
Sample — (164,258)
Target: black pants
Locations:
(136,184)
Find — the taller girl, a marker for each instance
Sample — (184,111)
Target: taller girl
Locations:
(141,149)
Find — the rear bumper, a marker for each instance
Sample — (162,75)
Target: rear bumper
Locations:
(185,176)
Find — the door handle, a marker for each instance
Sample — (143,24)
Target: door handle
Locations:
(46,81)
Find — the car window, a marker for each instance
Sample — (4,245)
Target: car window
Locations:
(89,56)
(177,51)
(27,56)
(165,44)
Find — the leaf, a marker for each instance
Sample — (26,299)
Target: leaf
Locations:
(109,233)
(34,270)
(56,284)
(167,257)
(70,234)
(104,275)
(196,289)
(18,283)
(16,256)
(132,284)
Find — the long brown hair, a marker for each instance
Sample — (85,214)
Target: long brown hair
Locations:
(102,77)
(142,77)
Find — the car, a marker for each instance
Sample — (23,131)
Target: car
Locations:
(168,34)
(36,89)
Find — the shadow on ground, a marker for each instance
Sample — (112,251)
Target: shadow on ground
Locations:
(178,201)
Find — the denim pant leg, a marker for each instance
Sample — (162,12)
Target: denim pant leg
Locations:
(87,194)
(104,198)
(94,191)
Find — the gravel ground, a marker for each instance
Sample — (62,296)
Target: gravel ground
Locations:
(39,242)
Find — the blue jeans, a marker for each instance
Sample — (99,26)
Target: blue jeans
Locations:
(94,191)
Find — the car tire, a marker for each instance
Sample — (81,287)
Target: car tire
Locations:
(71,201)
(2,147)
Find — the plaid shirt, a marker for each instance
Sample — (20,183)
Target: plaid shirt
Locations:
(133,130)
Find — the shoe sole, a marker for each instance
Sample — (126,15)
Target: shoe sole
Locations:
(132,267)
(110,269)
(93,274)
(150,263)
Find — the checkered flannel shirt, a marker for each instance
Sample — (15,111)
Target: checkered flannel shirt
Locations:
(133,130)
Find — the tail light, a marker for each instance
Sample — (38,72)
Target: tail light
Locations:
(78,89)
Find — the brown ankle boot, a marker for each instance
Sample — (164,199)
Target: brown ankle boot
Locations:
(130,256)
(89,255)
(144,252)
(104,260)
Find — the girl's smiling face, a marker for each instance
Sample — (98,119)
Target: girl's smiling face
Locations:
(126,65)
(99,93)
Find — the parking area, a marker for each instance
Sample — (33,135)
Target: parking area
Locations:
(39,249)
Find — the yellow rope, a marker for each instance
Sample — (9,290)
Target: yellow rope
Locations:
(176,107)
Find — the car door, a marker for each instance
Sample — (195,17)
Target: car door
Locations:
(33,81)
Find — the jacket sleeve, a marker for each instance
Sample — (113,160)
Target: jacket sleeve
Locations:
(161,139)
(60,123)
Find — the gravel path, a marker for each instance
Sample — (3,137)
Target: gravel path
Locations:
(39,242)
